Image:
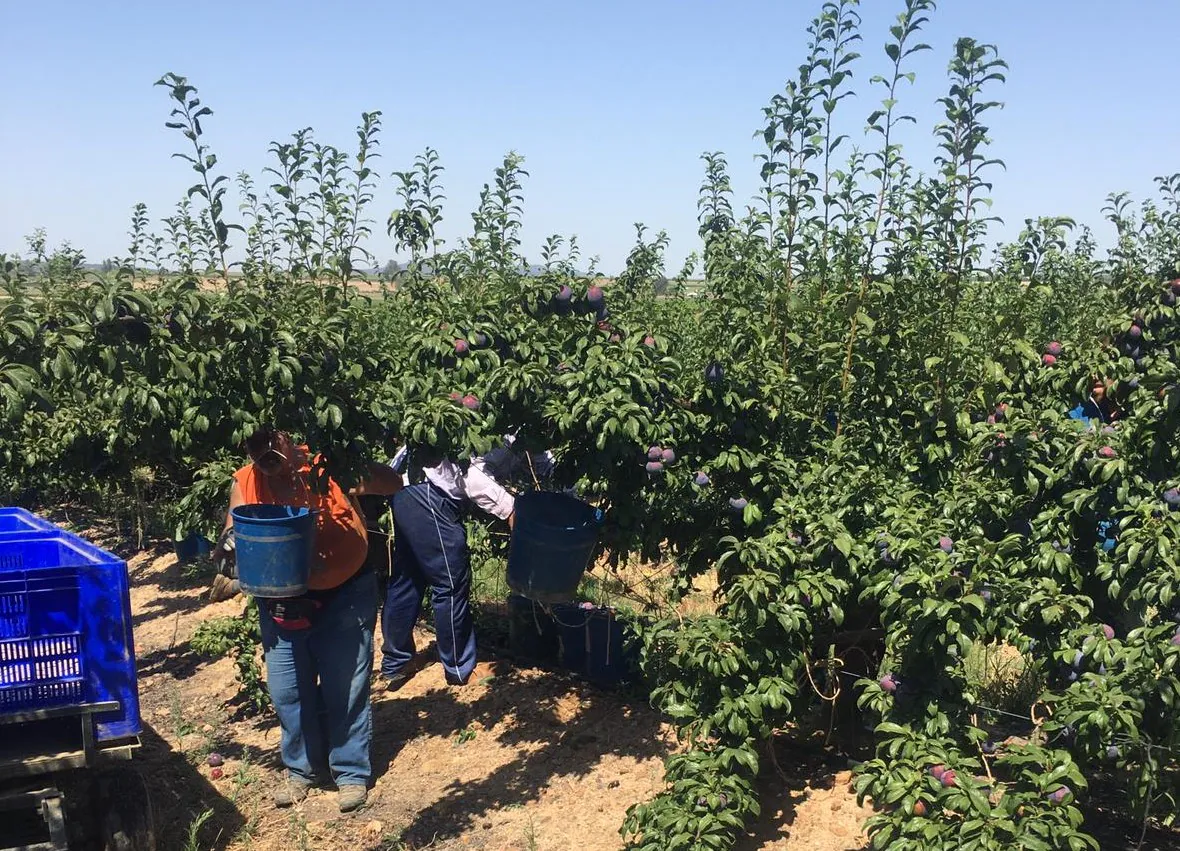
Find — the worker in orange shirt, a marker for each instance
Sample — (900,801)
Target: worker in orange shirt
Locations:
(318,647)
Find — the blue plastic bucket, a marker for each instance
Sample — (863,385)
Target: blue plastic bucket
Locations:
(553,538)
(274,546)
(192,547)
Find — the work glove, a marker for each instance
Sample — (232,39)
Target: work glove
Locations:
(225,560)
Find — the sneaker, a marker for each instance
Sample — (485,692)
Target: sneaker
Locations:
(223,588)
(291,790)
(396,681)
(352,797)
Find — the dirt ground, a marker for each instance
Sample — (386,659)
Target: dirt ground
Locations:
(518,759)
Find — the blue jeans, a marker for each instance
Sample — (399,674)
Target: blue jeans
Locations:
(318,679)
(430,550)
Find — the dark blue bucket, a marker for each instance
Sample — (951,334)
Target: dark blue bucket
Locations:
(274,549)
(192,547)
(553,538)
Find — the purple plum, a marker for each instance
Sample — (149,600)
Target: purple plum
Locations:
(888,683)
(471,402)
(1172,497)
(701,480)
(1059,795)
(1049,360)
(1055,348)
(654,467)
(565,293)
(461,347)
(654,453)
(738,503)
(1107,452)
(1108,631)
(594,294)
(668,456)
(946,544)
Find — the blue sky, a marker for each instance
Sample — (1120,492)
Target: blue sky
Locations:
(611,103)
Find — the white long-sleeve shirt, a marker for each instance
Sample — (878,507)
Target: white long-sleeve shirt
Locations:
(480,484)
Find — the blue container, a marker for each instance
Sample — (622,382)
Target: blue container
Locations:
(17,521)
(193,547)
(532,632)
(593,645)
(65,630)
(553,538)
(274,546)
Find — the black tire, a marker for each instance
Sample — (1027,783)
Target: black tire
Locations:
(124,811)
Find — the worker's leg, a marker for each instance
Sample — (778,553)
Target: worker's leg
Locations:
(291,681)
(342,641)
(439,542)
(403,594)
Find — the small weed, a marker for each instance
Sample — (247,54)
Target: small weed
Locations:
(244,776)
(199,570)
(192,841)
(181,725)
(530,835)
(298,833)
(467,734)
(393,842)
(237,637)
(248,832)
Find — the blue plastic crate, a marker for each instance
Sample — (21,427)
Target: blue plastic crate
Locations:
(17,521)
(65,629)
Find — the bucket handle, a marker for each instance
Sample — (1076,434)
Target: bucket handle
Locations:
(549,611)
